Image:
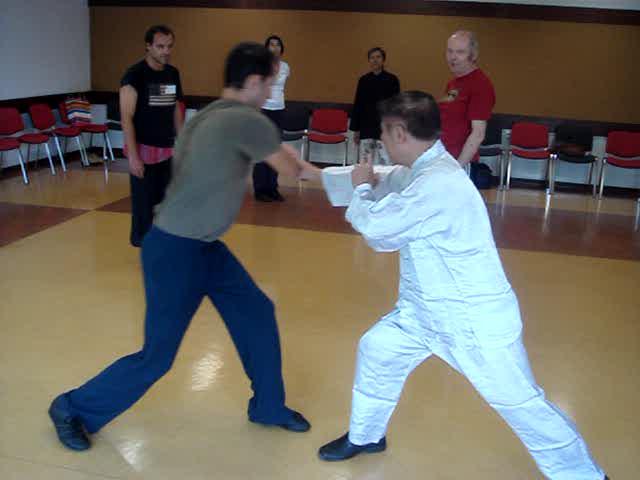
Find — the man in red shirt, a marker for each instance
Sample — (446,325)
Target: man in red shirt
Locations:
(469,99)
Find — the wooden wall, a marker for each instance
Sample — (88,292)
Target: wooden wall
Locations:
(585,71)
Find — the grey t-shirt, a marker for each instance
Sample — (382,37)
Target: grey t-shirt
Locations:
(213,157)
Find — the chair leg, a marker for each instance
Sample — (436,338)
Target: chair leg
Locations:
(108,142)
(53,169)
(346,151)
(508,181)
(57,142)
(636,224)
(552,174)
(37,156)
(604,164)
(105,160)
(591,180)
(83,154)
(25,177)
(302,148)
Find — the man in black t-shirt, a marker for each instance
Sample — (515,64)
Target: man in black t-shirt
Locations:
(373,87)
(151,118)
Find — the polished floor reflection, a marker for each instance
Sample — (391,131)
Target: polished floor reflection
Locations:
(72,301)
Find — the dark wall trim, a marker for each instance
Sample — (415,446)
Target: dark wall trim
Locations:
(505,120)
(415,7)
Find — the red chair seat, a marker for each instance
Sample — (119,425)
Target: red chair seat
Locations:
(332,139)
(67,131)
(532,155)
(8,144)
(93,127)
(33,138)
(618,162)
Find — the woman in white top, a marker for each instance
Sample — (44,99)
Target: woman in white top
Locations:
(265,179)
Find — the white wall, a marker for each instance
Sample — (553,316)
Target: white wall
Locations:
(616,4)
(44,47)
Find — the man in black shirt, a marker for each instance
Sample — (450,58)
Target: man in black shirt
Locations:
(375,86)
(151,118)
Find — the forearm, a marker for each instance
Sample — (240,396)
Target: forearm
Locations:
(130,137)
(286,161)
(471,146)
(178,119)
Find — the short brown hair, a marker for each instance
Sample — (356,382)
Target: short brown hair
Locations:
(151,33)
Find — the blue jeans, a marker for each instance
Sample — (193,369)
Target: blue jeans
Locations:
(178,273)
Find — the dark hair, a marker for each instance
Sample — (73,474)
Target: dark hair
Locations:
(418,110)
(377,49)
(275,37)
(247,58)
(151,33)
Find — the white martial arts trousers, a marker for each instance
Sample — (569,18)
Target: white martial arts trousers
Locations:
(388,353)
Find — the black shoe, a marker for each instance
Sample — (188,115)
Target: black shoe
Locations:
(275,195)
(297,423)
(342,449)
(263,197)
(69,428)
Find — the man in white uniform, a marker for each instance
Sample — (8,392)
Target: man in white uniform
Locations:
(455,300)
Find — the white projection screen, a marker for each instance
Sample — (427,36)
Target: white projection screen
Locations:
(44,47)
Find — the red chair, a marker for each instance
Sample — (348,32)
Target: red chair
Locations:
(43,119)
(530,141)
(329,126)
(9,144)
(623,151)
(11,123)
(92,129)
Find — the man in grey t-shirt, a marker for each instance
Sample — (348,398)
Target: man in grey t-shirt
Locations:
(184,260)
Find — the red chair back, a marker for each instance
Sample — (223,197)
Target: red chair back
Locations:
(529,135)
(42,116)
(329,121)
(10,121)
(623,144)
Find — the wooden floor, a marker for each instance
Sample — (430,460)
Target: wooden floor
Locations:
(71,301)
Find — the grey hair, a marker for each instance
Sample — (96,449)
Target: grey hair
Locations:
(474,44)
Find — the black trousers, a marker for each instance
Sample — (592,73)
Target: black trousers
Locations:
(265,178)
(146,193)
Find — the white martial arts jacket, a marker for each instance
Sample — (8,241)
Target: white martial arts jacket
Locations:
(452,285)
